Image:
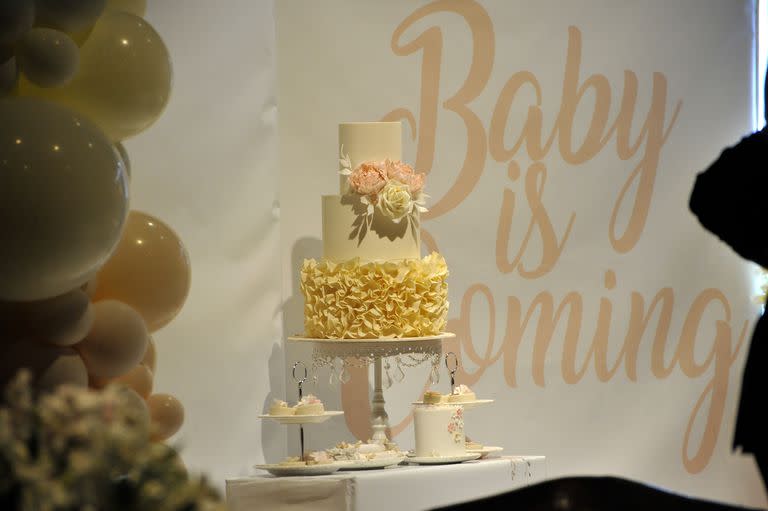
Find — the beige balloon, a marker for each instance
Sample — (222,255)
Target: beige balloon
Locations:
(117,341)
(50,366)
(166,414)
(138,379)
(150,357)
(63,320)
(63,199)
(124,156)
(124,80)
(149,270)
(132,400)
(47,57)
(136,7)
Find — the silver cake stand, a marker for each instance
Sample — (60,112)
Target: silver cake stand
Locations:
(404,351)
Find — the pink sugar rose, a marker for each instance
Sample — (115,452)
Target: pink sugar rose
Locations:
(368,178)
(405,174)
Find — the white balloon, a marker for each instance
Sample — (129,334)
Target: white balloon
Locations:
(63,199)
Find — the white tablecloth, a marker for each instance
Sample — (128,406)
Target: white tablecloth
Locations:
(401,488)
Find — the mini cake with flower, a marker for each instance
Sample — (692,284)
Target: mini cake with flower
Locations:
(310,405)
(461,394)
(439,431)
(280,407)
(372,281)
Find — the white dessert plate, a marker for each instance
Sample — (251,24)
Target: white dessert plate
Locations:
(486,450)
(442,460)
(466,404)
(302,419)
(374,463)
(299,470)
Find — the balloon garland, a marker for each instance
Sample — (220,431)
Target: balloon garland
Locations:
(84,280)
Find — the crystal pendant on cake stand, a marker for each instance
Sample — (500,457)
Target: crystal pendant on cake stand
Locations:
(407,351)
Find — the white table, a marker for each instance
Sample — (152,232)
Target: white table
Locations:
(401,488)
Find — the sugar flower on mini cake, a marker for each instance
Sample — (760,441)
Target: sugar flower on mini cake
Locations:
(310,405)
(461,394)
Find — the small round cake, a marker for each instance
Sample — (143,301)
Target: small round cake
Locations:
(310,405)
(279,407)
(461,394)
(439,431)
(432,397)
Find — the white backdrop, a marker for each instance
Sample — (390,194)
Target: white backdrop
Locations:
(208,168)
(619,105)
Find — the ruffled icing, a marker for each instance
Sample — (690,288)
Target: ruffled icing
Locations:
(354,300)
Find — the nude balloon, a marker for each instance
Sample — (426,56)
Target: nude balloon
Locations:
(50,366)
(166,414)
(47,57)
(124,79)
(63,199)
(149,270)
(116,342)
(150,356)
(139,379)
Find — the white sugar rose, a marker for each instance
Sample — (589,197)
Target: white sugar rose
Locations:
(395,200)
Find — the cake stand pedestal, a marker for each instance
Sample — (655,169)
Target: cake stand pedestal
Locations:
(406,351)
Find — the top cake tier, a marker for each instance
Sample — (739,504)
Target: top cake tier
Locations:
(376,215)
(369,141)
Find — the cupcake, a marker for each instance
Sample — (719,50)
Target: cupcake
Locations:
(309,405)
(461,394)
(432,398)
(279,407)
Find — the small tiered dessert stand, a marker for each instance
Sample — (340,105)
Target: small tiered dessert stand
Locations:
(406,352)
(302,419)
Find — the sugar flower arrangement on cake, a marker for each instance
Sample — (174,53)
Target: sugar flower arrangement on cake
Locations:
(389,185)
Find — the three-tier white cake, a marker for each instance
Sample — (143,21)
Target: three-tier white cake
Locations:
(372,281)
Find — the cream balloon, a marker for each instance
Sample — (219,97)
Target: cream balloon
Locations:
(166,415)
(140,379)
(117,341)
(149,270)
(47,57)
(68,15)
(50,366)
(63,320)
(136,7)
(124,79)
(16,17)
(63,199)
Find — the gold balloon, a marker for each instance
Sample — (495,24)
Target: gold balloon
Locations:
(124,79)
(139,379)
(150,356)
(63,320)
(50,366)
(47,57)
(16,17)
(117,340)
(166,415)
(137,7)
(63,199)
(149,271)
(68,15)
